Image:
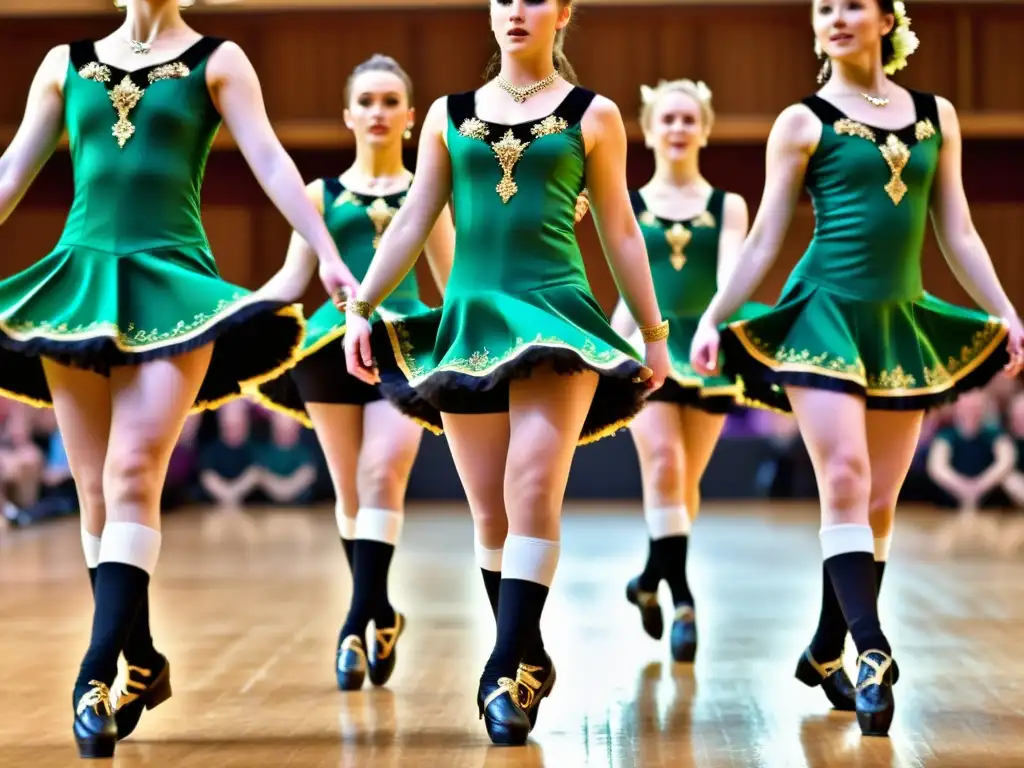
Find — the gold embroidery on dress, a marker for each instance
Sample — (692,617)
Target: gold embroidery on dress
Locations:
(894,151)
(380,214)
(678,237)
(924,129)
(940,374)
(124,96)
(549,125)
(173,71)
(345,197)
(705,219)
(95,71)
(897,155)
(853,128)
(127,337)
(647,218)
(474,128)
(508,151)
(894,379)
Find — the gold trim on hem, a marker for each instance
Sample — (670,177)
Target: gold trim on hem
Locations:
(396,347)
(948,383)
(292,310)
(265,402)
(295,312)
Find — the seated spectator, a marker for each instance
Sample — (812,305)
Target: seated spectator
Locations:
(227,471)
(1013,483)
(182,484)
(21,463)
(286,463)
(969,459)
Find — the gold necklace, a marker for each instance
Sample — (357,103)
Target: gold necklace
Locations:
(875,101)
(519,95)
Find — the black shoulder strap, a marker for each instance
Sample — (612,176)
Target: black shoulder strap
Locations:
(926,107)
(461,106)
(822,109)
(201,51)
(716,205)
(575,105)
(82,52)
(332,189)
(638,201)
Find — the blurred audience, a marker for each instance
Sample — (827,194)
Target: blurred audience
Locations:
(969,459)
(970,455)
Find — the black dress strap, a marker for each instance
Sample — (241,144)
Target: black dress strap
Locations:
(461,106)
(823,110)
(716,205)
(332,190)
(926,107)
(82,52)
(575,105)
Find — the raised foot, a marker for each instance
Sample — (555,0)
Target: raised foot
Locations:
(832,678)
(385,651)
(650,611)
(143,689)
(535,684)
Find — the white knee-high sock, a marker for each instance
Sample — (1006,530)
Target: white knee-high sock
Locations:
(663,522)
(346,524)
(487,559)
(383,525)
(131,544)
(846,537)
(91,549)
(530,559)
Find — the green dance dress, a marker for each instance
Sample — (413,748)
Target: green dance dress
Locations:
(684,266)
(132,278)
(518,294)
(356,222)
(854,316)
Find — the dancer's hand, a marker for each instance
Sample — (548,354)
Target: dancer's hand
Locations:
(338,281)
(358,355)
(1015,346)
(704,348)
(656,358)
(582,205)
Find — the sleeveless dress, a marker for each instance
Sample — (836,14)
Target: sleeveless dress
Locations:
(132,278)
(854,316)
(356,222)
(518,293)
(684,265)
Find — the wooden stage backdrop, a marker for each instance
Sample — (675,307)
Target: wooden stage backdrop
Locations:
(756,56)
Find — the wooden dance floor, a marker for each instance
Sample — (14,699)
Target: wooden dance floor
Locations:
(248,605)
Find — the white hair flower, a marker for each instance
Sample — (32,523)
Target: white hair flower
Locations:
(904,41)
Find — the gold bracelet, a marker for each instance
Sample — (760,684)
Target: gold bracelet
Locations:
(362,308)
(654,332)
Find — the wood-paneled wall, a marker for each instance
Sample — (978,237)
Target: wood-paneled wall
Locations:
(756,58)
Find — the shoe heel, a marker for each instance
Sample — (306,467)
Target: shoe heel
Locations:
(161,692)
(875,723)
(807,674)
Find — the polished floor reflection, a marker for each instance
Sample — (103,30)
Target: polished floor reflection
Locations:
(247,607)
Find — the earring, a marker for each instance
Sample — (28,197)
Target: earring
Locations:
(824,72)
(408,133)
